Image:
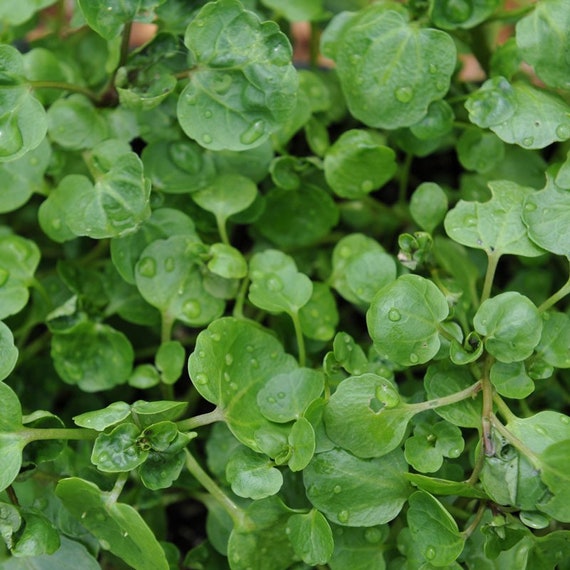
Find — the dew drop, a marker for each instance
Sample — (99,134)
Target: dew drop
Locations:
(215,337)
(229,359)
(221,83)
(227,377)
(530,207)
(565,420)
(104,544)
(288,530)
(147,267)
(271,400)
(233,386)
(206,139)
(373,535)
(432,68)
(404,94)
(337,489)
(540,430)
(470,221)
(254,363)
(253,133)
(169,264)
(454,453)
(274,284)
(528,141)
(249,348)
(343,516)
(563,132)
(201,354)
(394,315)
(201,379)
(430,553)
(191,309)
(281,395)
(199,23)
(413,357)
(4,275)
(367,186)
(441,85)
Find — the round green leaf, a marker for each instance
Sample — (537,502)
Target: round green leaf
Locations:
(554,345)
(319,317)
(227,261)
(438,122)
(546,214)
(38,537)
(19,258)
(511,380)
(16,12)
(479,150)
(358,548)
(357,492)
(511,325)
(286,396)
(453,14)
(555,473)
(170,359)
(365,417)
(404,318)
(276,285)
(94,356)
(543,38)
(106,17)
(492,104)
(8,351)
(401,68)
(118,450)
(243,86)
(144,376)
(160,470)
(149,413)
(104,418)
(12,445)
(252,475)
(297,218)
(169,277)
(434,529)
(311,537)
(358,163)
(495,226)
(23,123)
(428,205)
(302,442)
(231,363)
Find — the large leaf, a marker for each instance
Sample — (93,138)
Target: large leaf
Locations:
(10,443)
(390,70)
(16,12)
(243,85)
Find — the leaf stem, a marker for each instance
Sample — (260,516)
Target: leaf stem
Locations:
(448,400)
(475,522)
(216,415)
(63,86)
(404,178)
(493,260)
(487,412)
(221,222)
(480,461)
(503,409)
(553,299)
(240,299)
(516,442)
(299,336)
(113,495)
(38,434)
(236,513)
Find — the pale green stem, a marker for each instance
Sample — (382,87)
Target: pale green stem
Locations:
(493,260)
(216,415)
(165,334)
(299,336)
(113,495)
(240,299)
(221,222)
(236,513)
(63,86)
(475,522)
(553,299)
(447,400)
(503,409)
(487,388)
(38,434)
(477,468)
(516,442)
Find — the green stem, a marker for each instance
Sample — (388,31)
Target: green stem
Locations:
(314,45)
(216,415)
(475,522)
(12,496)
(38,434)
(63,86)
(503,409)
(516,442)
(447,400)
(221,222)
(240,299)
(404,179)
(299,336)
(487,412)
(113,495)
(553,299)
(493,260)
(477,468)
(235,512)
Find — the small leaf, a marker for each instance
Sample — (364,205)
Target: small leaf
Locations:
(12,445)
(511,380)
(434,529)
(437,486)
(381,57)
(479,150)
(118,450)
(311,537)
(227,262)
(365,417)
(511,325)
(554,345)
(8,351)
(404,317)
(243,85)
(492,104)
(170,359)
(251,475)
(358,548)
(160,470)
(276,285)
(302,441)
(555,473)
(38,536)
(297,10)
(358,163)
(450,14)
(118,527)
(495,226)
(148,413)
(104,418)
(319,317)
(428,205)
(107,17)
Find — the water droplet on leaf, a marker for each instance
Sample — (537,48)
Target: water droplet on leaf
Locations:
(253,133)
(413,357)
(343,516)
(206,139)
(221,83)
(4,275)
(528,141)
(367,186)
(191,309)
(373,535)
(458,11)
(207,114)
(201,379)
(169,264)
(430,553)
(394,315)
(229,359)
(147,267)
(432,68)
(563,132)
(404,94)
(215,337)
(337,489)
(274,284)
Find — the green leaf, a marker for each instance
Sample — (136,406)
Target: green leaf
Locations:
(276,285)
(428,205)
(12,445)
(437,486)
(319,317)
(358,548)
(107,17)
(8,351)
(118,527)
(545,214)
(23,123)
(425,450)
(437,123)
(365,416)
(511,325)
(101,419)
(243,85)
(511,380)
(24,176)
(94,356)
(404,318)
(381,57)
(453,14)
(545,31)
(434,529)
(555,473)
(160,470)
(297,218)
(297,10)
(38,536)
(492,104)
(311,537)
(358,163)
(118,450)
(252,475)
(16,12)
(19,259)
(227,262)
(349,491)
(302,442)
(495,226)
(169,277)
(554,345)
(480,151)
(148,413)
(231,363)
(170,359)
(286,396)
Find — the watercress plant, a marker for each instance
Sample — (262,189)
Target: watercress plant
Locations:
(266,316)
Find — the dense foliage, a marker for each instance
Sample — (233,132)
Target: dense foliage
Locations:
(261,316)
